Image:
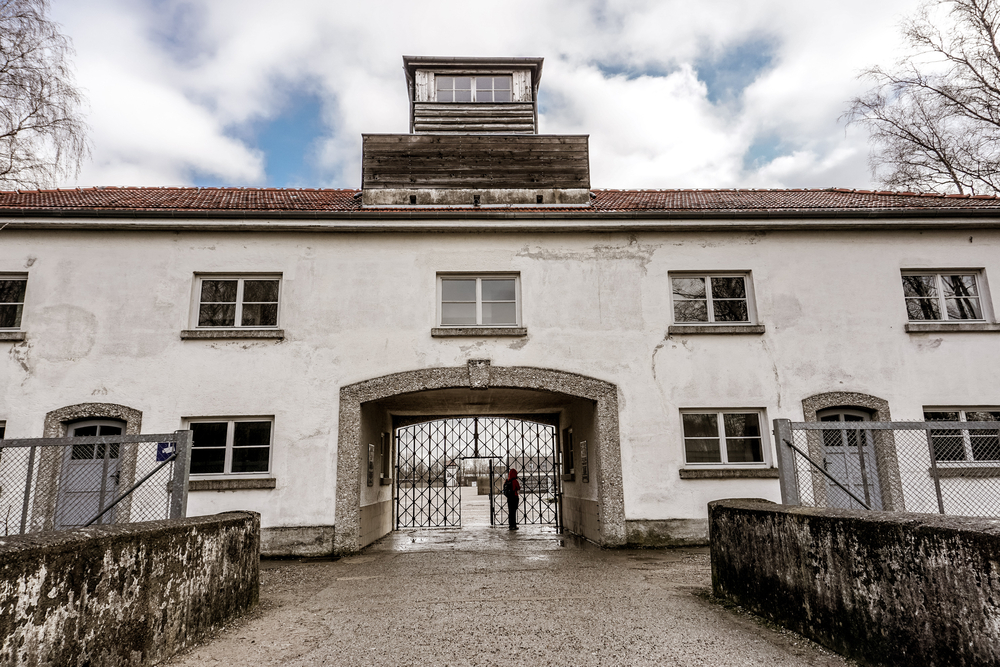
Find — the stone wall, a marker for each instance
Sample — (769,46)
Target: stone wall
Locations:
(131,594)
(884,588)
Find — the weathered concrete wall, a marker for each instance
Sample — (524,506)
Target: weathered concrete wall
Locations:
(666,533)
(124,594)
(882,588)
(376,521)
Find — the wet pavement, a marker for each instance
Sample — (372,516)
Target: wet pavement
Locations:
(488,596)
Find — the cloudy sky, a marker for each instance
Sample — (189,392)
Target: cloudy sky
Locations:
(674,94)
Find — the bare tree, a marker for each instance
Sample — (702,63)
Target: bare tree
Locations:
(42,133)
(934,119)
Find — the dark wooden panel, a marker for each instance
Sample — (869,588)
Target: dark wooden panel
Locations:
(475,161)
(471,127)
(498,140)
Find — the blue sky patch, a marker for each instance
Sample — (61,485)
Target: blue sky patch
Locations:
(763,151)
(630,72)
(288,142)
(729,73)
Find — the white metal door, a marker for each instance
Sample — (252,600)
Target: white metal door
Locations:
(849,456)
(89,478)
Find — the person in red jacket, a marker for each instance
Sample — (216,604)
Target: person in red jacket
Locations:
(512,491)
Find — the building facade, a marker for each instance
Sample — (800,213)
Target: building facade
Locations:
(660,331)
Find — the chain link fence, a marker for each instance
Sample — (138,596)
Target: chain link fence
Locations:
(63,483)
(940,467)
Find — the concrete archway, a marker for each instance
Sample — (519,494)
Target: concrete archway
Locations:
(478,374)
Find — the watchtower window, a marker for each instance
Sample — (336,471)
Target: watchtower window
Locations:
(476,89)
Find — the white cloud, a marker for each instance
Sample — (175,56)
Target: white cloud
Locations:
(176,85)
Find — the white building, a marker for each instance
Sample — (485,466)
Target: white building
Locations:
(291,329)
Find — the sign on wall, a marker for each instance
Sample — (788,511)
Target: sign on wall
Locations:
(584,462)
(371,464)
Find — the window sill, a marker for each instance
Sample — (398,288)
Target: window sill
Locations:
(449,332)
(385,481)
(723,329)
(569,477)
(11,336)
(945,327)
(231,484)
(217,334)
(966,471)
(729,473)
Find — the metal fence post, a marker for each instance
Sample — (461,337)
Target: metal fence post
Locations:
(179,483)
(935,474)
(787,478)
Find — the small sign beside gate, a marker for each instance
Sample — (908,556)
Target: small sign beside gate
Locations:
(164,450)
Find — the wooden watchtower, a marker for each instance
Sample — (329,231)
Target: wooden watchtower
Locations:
(474,142)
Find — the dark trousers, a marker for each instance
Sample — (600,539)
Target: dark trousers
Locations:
(512,511)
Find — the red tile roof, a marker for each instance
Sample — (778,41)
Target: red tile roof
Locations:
(205,201)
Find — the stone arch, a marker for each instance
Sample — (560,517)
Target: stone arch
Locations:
(884,441)
(878,407)
(477,374)
(50,460)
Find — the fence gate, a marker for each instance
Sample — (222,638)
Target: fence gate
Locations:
(109,477)
(939,467)
(429,456)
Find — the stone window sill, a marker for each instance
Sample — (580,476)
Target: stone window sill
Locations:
(385,481)
(221,334)
(977,472)
(718,329)
(231,484)
(11,336)
(958,327)
(448,332)
(729,473)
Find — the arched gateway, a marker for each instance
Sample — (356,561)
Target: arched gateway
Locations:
(594,505)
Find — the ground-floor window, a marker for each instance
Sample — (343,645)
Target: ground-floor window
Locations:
(723,437)
(962,444)
(230,446)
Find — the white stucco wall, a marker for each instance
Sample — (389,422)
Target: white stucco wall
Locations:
(104,310)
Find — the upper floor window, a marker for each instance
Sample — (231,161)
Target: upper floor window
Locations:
(486,300)
(12,289)
(723,437)
(235,301)
(951,295)
(479,89)
(965,444)
(712,298)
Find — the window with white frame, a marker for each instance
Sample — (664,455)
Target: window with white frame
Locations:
(724,437)
(712,298)
(945,295)
(965,445)
(479,300)
(230,446)
(12,288)
(475,89)
(238,301)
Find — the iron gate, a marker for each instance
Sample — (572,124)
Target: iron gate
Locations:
(429,457)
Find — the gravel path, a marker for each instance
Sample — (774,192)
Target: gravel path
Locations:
(483,596)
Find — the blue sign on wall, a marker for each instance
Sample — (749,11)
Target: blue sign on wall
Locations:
(164,450)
